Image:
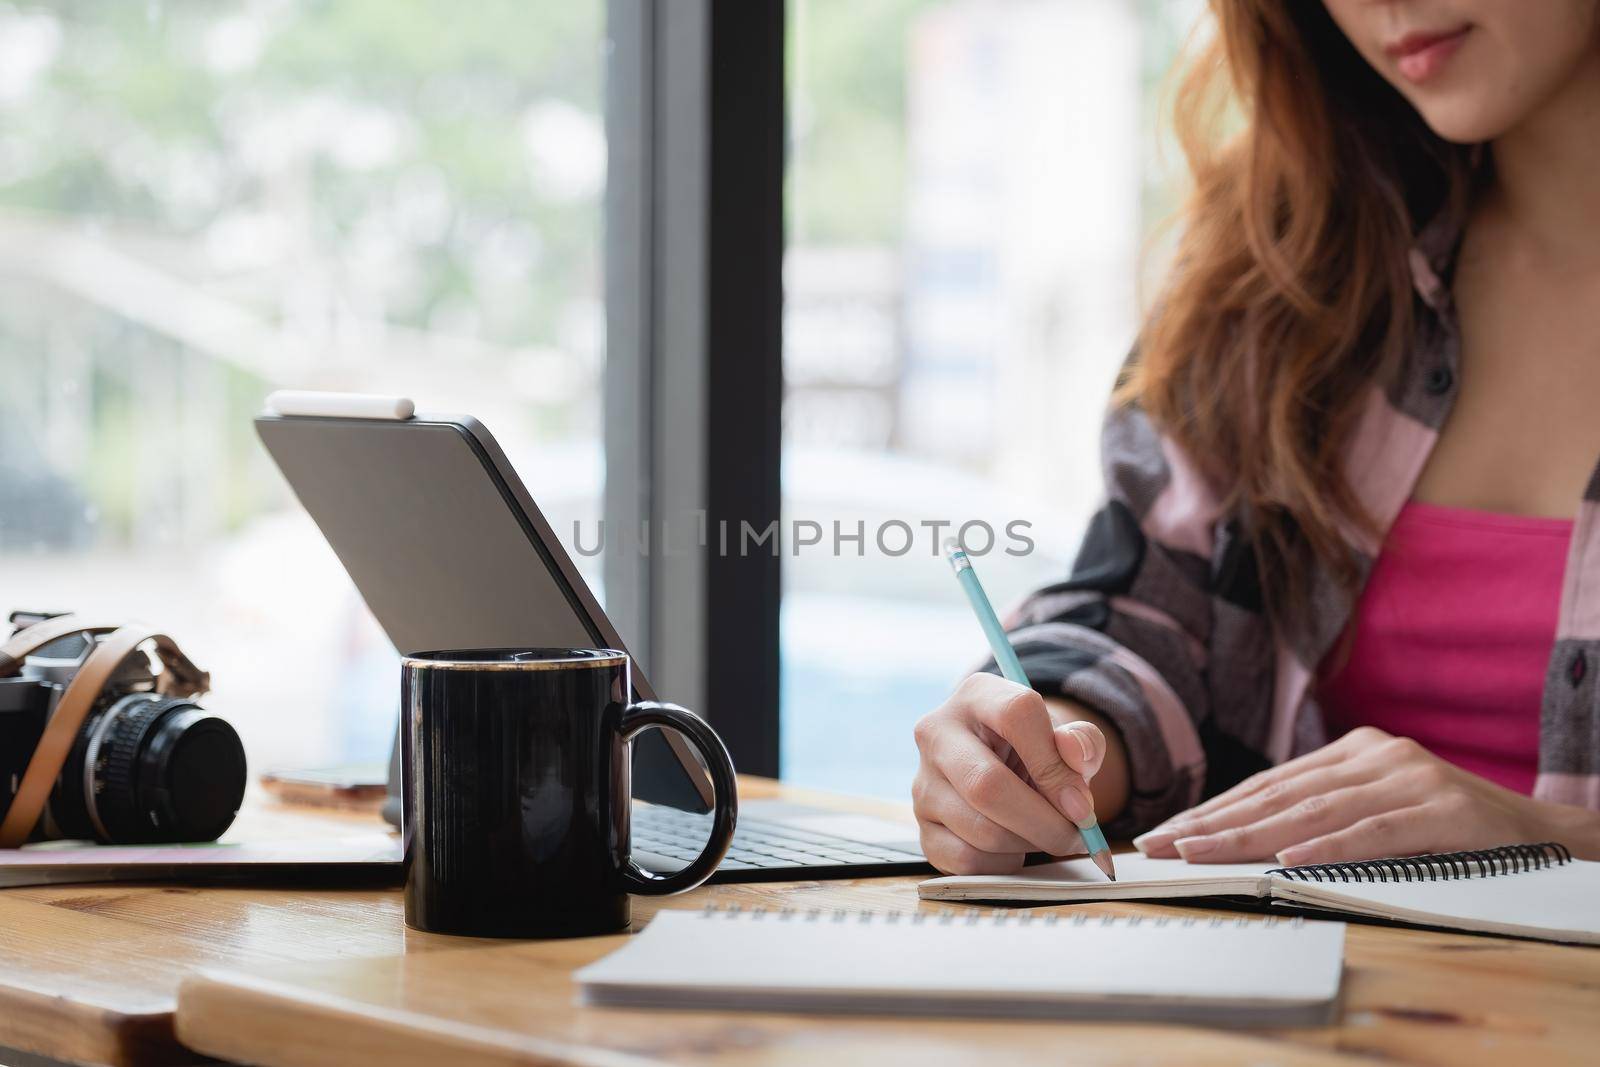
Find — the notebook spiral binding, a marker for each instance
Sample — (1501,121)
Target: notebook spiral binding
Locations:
(951,917)
(1436,866)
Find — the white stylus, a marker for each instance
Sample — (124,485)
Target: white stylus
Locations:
(340,405)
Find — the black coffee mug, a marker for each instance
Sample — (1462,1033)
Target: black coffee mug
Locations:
(517,792)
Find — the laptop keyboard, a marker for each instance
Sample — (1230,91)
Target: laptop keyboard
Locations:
(757,843)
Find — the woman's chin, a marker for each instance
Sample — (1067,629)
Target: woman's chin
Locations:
(1467,119)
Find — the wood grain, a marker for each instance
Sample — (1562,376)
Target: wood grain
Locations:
(278,977)
(90,973)
(1410,997)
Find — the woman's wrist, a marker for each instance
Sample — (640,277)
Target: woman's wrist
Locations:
(1576,828)
(1110,784)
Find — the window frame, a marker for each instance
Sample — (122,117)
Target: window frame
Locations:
(693,384)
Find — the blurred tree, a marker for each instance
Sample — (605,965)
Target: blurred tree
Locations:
(471,135)
(847,128)
(315,163)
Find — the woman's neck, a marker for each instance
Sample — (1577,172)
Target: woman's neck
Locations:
(1545,170)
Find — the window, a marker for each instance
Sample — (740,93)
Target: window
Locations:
(202,202)
(972,193)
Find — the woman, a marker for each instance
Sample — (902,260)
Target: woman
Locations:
(1352,485)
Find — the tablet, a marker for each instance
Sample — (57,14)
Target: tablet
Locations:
(447,547)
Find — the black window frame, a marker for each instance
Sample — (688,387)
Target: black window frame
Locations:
(695,116)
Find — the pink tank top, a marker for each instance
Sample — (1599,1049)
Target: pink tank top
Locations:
(1452,636)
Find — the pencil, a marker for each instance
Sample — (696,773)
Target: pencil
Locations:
(1011,667)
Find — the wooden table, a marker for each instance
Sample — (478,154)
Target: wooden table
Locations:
(119,975)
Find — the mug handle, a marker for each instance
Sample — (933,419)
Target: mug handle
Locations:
(725,805)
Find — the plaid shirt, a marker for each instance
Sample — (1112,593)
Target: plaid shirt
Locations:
(1161,625)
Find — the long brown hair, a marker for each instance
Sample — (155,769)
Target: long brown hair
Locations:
(1292,291)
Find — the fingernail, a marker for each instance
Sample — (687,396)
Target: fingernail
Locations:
(1292,857)
(1157,838)
(1162,836)
(1167,834)
(1070,729)
(1077,806)
(1085,744)
(1195,846)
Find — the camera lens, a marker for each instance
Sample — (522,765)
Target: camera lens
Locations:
(156,769)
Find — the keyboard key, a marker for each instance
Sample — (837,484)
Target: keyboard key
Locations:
(792,856)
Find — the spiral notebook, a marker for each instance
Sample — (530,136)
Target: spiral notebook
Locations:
(1219,972)
(1536,891)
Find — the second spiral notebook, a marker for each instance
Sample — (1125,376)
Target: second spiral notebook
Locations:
(1220,972)
(1535,891)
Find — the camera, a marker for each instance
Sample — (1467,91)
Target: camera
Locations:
(144,764)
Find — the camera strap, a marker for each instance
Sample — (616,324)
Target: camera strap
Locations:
(30,639)
(179,678)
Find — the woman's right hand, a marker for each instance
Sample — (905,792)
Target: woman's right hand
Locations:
(1000,777)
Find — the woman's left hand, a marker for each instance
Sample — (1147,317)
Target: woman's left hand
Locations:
(1366,795)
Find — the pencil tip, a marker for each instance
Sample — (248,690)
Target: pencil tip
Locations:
(1102,860)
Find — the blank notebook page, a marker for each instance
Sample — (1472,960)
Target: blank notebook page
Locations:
(1137,877)
(1557,901)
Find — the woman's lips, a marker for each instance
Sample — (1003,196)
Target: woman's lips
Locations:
(1420,55)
